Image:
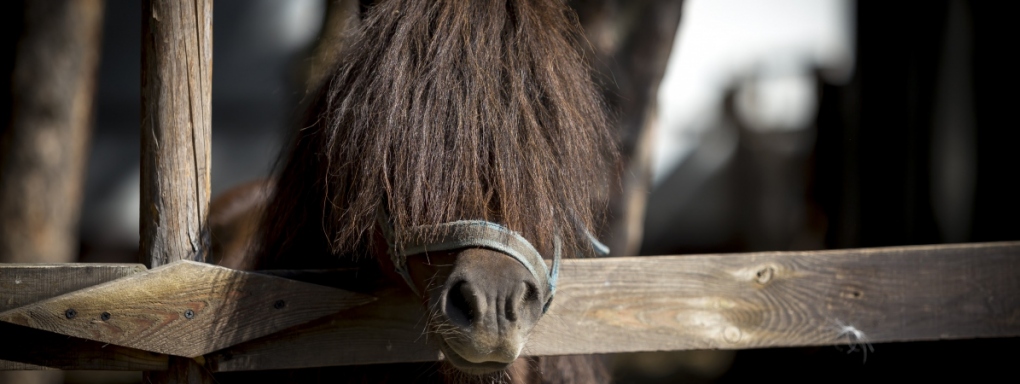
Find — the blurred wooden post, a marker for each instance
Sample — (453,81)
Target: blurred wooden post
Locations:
(632,40)
(176,130)
(42,161)
(44,149)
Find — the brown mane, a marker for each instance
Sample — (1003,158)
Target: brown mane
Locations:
(440,111)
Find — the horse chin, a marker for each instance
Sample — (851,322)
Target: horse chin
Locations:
(468,367)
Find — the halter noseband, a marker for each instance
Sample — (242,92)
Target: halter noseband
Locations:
(481,234)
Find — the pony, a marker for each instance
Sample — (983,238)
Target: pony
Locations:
(440,112)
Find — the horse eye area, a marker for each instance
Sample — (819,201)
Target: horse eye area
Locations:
(460,308)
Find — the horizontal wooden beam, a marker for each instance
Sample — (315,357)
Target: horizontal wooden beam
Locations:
(774,299)
(22,284)
(184,308)
(608,305)
(7,365)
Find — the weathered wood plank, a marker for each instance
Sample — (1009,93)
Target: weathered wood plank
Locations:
(6,365)
(31,349)
(176,129)
(702,302)
(786,299)
(185,308)
(176,141)
(22,284)
(388,330)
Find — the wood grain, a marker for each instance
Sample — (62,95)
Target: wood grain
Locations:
(6,365)
(176,135)
(785,299)
(658,303)
(702,302)
(22,284)
(175,130)
(184,309)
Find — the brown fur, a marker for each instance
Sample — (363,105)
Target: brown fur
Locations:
(441,111)
(446,110)
(233,220)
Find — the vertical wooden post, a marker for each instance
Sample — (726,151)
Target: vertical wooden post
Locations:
(637,53)
(176,127)
(176,133)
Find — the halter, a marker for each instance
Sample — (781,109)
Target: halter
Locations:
(481,234)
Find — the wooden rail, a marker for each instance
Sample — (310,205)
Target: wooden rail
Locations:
(630,304)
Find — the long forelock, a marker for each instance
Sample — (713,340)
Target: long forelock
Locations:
(449,110)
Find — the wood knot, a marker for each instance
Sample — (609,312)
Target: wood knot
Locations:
(732,334)
(764,275)
(852,293)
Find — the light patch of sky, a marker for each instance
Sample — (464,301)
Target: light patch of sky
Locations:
(720,40)
(286,25)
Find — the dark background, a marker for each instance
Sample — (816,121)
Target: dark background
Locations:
(918,148)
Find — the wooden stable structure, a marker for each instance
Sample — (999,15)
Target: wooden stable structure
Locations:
(179,318)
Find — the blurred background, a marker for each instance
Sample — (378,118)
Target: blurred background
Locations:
(745,126)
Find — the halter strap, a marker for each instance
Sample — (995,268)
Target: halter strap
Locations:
(482,234)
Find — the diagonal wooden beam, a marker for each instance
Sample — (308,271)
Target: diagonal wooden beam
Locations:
(185,308)
(22,284)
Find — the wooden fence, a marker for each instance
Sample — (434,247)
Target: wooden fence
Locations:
(126,317)
(184,314)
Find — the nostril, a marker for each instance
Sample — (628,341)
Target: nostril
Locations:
(530,292)
(526,296)
(460,307)
(510,309)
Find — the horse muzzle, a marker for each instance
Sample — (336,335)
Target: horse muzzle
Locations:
(485,310)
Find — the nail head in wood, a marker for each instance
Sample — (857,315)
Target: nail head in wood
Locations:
(105,316)
(764,275)
(151,308)
(70,313)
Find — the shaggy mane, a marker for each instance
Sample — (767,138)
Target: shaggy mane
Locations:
(441,111)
